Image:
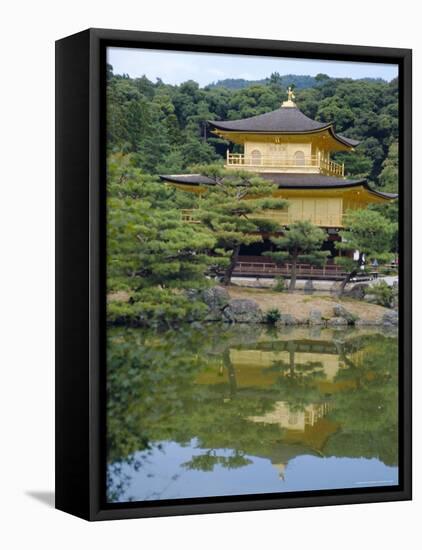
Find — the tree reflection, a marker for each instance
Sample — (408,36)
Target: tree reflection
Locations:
(368,412)
(230,389)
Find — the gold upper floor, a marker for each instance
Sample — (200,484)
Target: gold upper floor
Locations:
(298,162)
(322,207)
(282,155)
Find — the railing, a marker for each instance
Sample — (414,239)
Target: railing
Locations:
(272,160)
(303,271)
(331,168)
(309,163)
(188,216)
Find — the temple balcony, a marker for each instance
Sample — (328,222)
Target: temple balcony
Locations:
(312,164)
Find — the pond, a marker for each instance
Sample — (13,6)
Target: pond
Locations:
(223,410)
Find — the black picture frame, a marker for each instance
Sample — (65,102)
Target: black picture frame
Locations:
(80,272)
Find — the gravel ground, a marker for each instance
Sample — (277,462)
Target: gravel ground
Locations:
(300,305)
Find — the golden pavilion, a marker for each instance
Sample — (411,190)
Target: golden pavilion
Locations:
(294,152)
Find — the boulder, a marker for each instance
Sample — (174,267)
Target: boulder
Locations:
(315,331)
(215,315)
(368,322)
(216,298)
(337,322)
(287,319)
(242,311)
(391,318)
(309,287)
(315,317)
(340,311)
(357,291)
(395,298)
(197,325)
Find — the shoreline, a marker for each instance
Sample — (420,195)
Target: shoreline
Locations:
(250,305)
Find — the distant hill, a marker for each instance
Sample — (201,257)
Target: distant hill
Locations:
(298,81)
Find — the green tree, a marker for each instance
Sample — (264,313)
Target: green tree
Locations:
(165,125)
(367,234)
(390,210)
(301,242)
(152,254)
(389,177)
(159,389)
(366,409)
(232,209)
(297,383)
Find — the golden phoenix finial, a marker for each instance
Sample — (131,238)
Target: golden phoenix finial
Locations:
(290,97)
(290,94)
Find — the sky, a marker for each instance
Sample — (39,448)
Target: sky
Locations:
(204,68)
(163,474)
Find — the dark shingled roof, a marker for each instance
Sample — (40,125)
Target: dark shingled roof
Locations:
(285,181)
(284,120)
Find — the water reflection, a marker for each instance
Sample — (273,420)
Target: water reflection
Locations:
(209,411)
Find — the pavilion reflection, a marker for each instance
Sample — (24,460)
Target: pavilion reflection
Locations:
(299,378)
(226,398)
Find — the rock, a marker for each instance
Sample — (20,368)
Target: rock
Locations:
(214,315)
(309,287)
(287,319)
(391,318)
(340,311)
(368,322)
(216,297)
(315,331)
(242,311)
(357,291)
(315,317)
(395,298)
(226,315)
(337,322)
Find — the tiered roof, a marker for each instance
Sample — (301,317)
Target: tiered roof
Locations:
(285,120)
(285,181)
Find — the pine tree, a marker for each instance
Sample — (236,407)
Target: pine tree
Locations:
(152,254)
(369,233)
(301,242)
(232,208)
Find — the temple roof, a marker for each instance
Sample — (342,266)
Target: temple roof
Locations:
(285,181)
(287,120)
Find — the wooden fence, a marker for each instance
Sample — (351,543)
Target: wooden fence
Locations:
(303,271)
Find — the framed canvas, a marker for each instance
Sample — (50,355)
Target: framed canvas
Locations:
(233,274)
